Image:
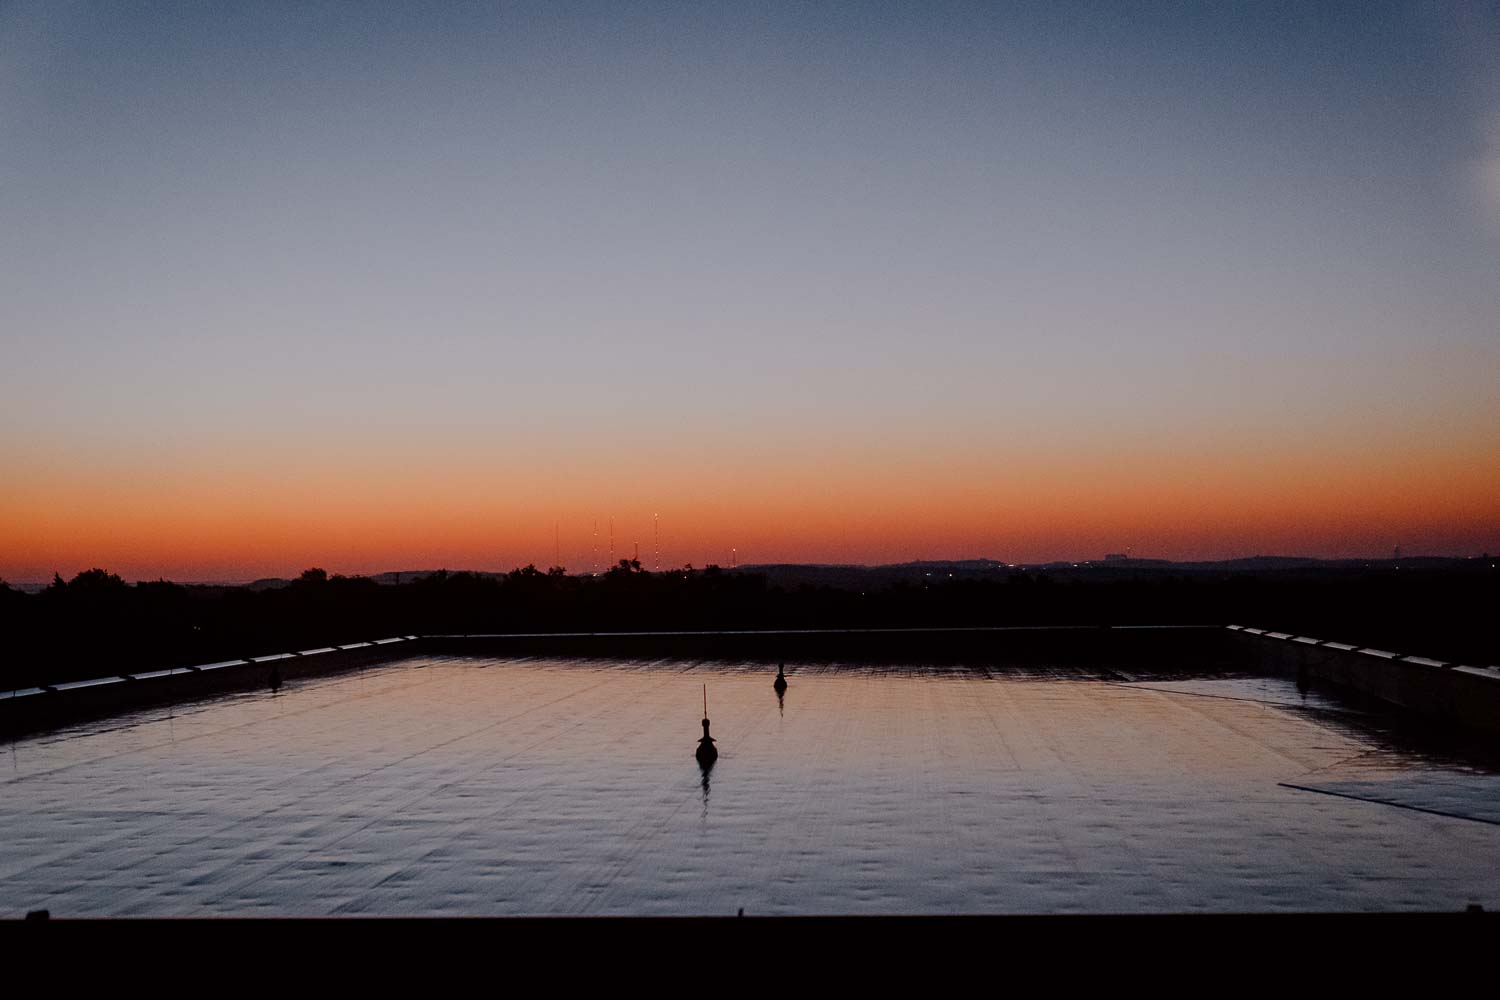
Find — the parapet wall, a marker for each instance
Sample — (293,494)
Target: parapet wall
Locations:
(1449,694)
(1458,695)
(1144,648)
(1137,648)
(37,709)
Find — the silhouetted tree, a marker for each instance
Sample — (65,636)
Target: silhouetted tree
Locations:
(90,584)
(625,567)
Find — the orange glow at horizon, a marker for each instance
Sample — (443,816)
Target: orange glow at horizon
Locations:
(239,521)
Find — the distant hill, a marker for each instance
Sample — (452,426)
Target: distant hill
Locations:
(858,577)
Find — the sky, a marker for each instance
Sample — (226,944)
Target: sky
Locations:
(388,286)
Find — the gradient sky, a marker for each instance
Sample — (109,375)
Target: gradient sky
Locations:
(379,286)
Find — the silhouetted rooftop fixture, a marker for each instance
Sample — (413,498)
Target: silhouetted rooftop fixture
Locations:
(706,753)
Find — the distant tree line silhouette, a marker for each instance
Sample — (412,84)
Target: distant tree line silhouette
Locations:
(97,623)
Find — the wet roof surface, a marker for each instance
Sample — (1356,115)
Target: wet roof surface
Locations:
(480,786)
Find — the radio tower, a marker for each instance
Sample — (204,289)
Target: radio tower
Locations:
(656,523)
(596,547)
(611,543)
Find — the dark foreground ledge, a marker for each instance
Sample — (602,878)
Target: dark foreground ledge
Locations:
(1214,951)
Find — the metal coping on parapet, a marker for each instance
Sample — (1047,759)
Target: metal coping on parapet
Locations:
(1383,654)
(91,682)
(150,675)
(42,689)
(923,629)
(27,692)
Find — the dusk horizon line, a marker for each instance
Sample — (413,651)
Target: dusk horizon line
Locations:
(1107,559)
